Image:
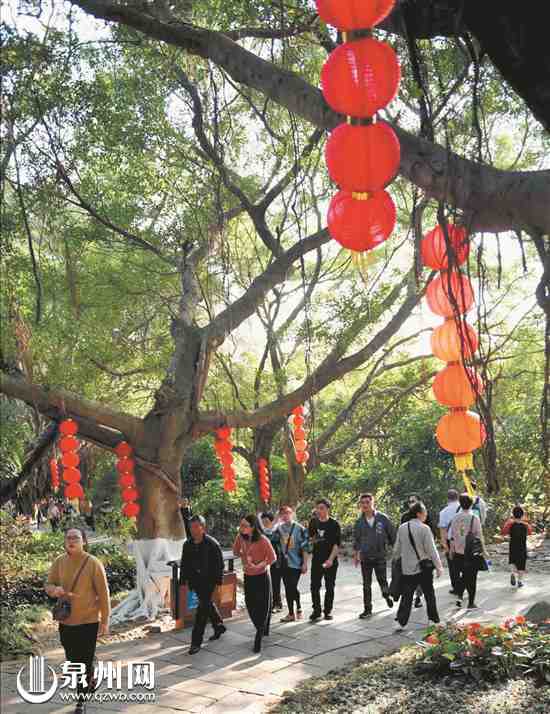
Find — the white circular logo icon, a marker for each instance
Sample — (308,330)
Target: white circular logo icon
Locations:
(37,692)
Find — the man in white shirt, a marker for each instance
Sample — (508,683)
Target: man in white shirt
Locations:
(446,516)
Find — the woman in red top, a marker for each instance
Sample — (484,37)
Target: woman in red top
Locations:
(257,554)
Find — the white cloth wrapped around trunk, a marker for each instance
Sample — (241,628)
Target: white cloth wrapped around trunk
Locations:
(152,579)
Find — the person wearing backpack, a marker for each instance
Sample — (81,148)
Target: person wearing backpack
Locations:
(83,606)
(292,540)
(479,506)
(415,546)
(467,550)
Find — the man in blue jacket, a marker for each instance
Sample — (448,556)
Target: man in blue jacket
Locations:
(373,535)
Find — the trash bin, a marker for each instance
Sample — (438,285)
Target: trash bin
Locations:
(184,602)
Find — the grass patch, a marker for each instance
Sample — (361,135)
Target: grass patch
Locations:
(393,685)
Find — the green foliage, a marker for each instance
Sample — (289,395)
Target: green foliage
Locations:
(223,510)
(516,648)
(16,626)
(199,466)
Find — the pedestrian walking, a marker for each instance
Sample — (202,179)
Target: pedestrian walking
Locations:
(268,523)
(466,536)
(446,516)
(293,542)
(201,569)
(324,535)
(415,546)
(373,535)
(79,582)
(257,555)
(517,528)
(54,515)
(407,516)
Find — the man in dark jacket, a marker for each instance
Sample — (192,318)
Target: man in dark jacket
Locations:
(373,535)
(202,570)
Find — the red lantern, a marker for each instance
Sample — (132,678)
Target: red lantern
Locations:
(452,386)
(68,427)
(70,459)
(122,449)
(361,224)
(298,411)
(362,158)
(223,433)
(453,284)
(221,445)
(68,443)
(127,480)
(74,490)
(460,432)
(71,475)
(131,510)
(300,445)
(299,433)
(361,77)
(451,342)
(226,458)
(125,465)
(302,457)
(54,473)
(129,494)
(228,471)
(350,15)
(298,420)
(433,248)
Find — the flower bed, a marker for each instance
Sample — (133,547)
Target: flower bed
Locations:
(490,652)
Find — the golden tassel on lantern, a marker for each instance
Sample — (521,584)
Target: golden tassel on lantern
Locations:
(363,261)
(464,462)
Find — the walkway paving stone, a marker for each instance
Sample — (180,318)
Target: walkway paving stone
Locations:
(227,677)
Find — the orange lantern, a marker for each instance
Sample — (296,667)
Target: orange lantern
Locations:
(68,427)
(302,457)
(460,432)
(122,449)
(74,490)
(350,15)
(452,342)
(360,77)
(300,444)
(448,291)
(456,386)
(433,248)
(131,509)
(362,158)
(68,443)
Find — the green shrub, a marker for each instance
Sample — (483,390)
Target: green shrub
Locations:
(16,636)
(488,652)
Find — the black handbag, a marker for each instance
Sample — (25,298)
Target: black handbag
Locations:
(396,585)
(426,564)
(61,611)
(473,550)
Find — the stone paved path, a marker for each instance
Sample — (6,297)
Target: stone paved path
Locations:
(226,676)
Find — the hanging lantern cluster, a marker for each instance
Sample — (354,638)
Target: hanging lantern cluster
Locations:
(127,480)
(69,446)
(360,77)
(299,435)
(54,473)
(223,447)
(263,479)
(450,295)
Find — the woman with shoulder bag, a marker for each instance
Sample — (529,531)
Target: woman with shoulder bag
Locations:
(293,540)
(415,546)
(79,583)
(467,550)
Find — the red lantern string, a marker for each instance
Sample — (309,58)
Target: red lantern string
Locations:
(70,460)
(359,78)
(223,447)
(263,480)
(125,465)
(456,386)
(298,436)
(54,473)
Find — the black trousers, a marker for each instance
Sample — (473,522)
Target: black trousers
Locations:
(452,571)
(424,581)
(379,567)
(206,610)
(317,575)
(290,577)
(79,643)
(258,599)
(466,576)
(276,585)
